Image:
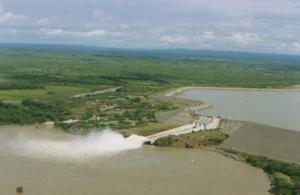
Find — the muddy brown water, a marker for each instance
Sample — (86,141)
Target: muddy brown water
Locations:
(30,158)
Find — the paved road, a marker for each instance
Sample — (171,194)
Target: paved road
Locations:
(97,92)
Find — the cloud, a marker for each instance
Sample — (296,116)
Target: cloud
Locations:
(208,35)
(10,18)
(246,25)
(296,46)
(175,39)
(43,22)
(94,33)
(100,16)
(243,39)
(98,13)
(197,38)
(79,34)
(54,32)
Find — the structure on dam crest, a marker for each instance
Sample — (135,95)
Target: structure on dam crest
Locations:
(201,123)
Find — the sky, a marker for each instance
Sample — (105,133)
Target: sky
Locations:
(271,26)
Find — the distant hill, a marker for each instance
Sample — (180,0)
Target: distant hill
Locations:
(176,53)
(222,54)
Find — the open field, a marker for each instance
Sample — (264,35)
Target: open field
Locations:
(48,93)
(276,143)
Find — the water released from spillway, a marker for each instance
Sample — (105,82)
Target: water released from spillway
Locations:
(40,144)
(47,161)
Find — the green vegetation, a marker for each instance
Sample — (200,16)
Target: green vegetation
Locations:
(31,112)
(52,77)
(4,86)
(91,68)
(121,112)
(194,139)
(285,177)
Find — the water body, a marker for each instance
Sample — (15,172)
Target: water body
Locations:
(279,108)
(47,162)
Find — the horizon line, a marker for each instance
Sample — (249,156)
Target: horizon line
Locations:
(149,49)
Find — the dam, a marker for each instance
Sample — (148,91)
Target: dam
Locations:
(202,123)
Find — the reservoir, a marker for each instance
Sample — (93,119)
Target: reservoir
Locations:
(46,161)
(279,108)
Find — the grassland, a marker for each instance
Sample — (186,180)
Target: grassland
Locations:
(50,77)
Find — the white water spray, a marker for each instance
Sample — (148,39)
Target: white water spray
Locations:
(105,142)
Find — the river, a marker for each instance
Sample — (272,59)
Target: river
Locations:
(279,108)
(46,161)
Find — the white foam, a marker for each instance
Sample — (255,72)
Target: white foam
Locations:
(76,147)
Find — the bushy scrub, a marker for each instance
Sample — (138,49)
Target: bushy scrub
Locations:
(195,139)
(30,111)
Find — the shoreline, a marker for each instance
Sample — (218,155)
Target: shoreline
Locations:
(173,93)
